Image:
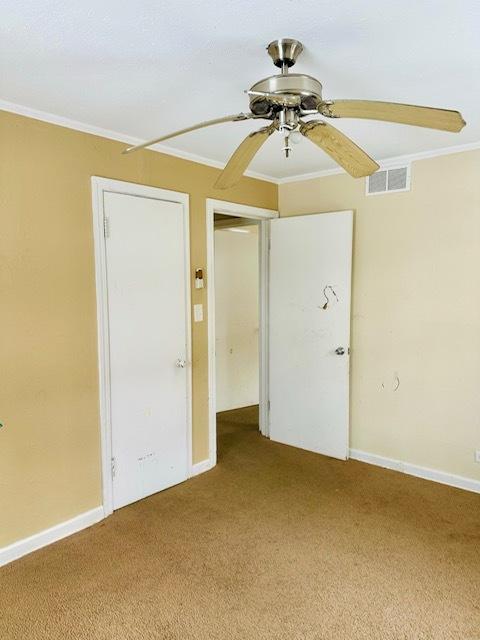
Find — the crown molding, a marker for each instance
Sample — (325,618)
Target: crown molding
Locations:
(311,176)
(388,163)
(119,137)
(192,157)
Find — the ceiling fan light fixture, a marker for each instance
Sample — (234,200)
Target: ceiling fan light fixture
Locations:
(296,137)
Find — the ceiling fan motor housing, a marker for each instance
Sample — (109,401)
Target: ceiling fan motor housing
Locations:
(309,89)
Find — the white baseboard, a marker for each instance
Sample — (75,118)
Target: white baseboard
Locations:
(25,546)
(47,536)
(460,482)
(200,467)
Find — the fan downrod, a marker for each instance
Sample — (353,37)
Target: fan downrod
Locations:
(284,52)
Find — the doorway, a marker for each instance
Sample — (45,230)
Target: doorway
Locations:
(237,292)
(235,216)
(305,264)
(143,307)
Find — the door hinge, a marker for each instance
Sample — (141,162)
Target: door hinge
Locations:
(269,244)
(114,467)
(106,227)
(268,405)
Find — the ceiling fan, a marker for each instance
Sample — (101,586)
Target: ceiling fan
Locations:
(285,99)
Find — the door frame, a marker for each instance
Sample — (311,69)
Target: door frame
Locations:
(99,187)
(263,216)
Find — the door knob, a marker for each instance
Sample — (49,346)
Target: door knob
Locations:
(180,363)
(339,351)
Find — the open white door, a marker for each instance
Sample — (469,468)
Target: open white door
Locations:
(310,281)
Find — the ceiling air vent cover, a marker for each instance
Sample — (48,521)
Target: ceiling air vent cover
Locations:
(388,180)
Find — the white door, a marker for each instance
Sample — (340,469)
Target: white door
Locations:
(147,319)
(310,277)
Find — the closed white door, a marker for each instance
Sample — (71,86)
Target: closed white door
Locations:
(147,320)
(309,339)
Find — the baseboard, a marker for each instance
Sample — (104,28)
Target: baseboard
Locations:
(42,539)
(460,482)
(200,467)
(47,536)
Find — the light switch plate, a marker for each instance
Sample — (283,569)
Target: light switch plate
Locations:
(198,312)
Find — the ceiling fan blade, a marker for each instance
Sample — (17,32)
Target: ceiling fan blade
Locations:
(443,119)
(343,150)
(200,125)
(242,156)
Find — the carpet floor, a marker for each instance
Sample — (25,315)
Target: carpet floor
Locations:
(274,543)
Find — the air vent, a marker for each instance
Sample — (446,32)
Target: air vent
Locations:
(388,180)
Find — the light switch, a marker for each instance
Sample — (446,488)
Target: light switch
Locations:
(198,312)
(199,284)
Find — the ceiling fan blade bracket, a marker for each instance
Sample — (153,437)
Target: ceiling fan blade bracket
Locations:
(240,117)
(326,109)
(307,126)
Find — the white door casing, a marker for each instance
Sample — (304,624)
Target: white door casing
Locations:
(143,306)
(310,286)
(263,216)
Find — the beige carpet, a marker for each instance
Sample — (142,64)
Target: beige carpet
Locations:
(273,543)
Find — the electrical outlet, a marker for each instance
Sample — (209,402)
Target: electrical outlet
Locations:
(477,455)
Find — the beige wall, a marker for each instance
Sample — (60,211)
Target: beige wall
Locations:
(416,310)
(49,448)
(236,317)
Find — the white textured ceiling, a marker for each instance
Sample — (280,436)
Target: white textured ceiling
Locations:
(144,67)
